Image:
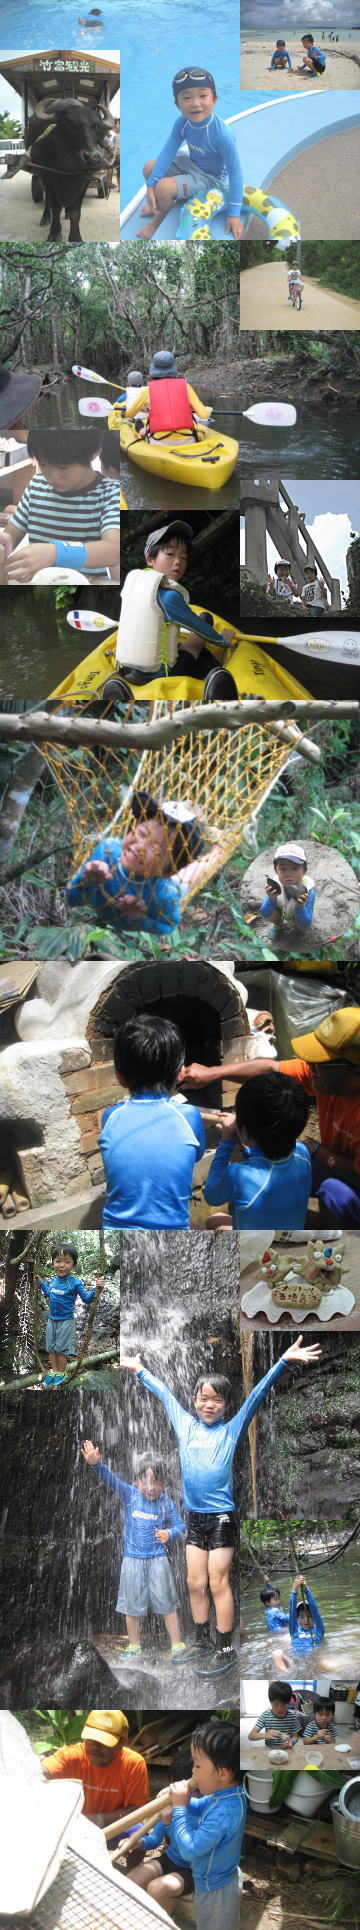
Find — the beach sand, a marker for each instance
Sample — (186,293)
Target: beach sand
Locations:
(341,70)
(263,296)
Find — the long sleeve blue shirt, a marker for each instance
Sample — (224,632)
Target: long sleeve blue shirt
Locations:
(150,1145)
(303,913)
(212,147)
(301,1639)
(156,1836)
(175,610)
(281,53)
(142,1516)
(162,897)
(209,1832)
(62,1294)
(276,1619)
(261,1192)
(207,1453)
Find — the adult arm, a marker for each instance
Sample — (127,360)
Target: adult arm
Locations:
(234,1069)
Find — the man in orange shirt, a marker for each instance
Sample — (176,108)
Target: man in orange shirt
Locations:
(327,1064)
(114,1778)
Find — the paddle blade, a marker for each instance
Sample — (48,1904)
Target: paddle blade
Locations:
(89,620)
(95,405)
(88,375)
(277,415)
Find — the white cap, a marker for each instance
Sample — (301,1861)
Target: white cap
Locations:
(294,852)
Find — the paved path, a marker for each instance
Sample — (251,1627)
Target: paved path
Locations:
(264,303)
(321,186)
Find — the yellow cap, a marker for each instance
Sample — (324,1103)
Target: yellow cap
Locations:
(337,1038)
(105,1725)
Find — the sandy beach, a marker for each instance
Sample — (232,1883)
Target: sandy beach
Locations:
(341,69)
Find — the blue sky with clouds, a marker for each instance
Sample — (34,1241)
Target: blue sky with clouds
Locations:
(295,13)
(332,511)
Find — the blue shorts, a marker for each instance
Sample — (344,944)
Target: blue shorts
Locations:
(60,1336)
(146,1584)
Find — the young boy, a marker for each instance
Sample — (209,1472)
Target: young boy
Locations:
(290,900)
(305,1622)
(168,1876)
(209,167)
(155,610)
(281,583)
(280,1724)
(294,281)
(314,591)
(151,1522)
(61,1292)
(327,1065)
(314,61)
(209,1830)
(321,1728)
(70,512)
(150,1142)
(139,881)
(207,1443)
(275,1616)
(273,1176)
(281,58)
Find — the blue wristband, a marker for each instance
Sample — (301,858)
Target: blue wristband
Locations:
(70,555)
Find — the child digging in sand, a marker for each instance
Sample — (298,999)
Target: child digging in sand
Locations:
(207,1443)
(210,170)
(290,897)
(151,1523)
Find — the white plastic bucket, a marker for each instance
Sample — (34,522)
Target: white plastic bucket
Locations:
(306,1795)
(258,1789)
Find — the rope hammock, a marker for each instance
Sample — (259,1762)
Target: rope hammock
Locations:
(223,775)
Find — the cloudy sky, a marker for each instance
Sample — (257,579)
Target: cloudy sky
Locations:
(332,511)
(295,13)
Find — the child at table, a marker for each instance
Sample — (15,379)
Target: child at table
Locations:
(69,511)
(321,1728)
(280,1724)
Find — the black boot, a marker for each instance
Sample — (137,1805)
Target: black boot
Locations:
(223,1657)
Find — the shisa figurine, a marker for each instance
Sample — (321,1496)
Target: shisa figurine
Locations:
(302,1282)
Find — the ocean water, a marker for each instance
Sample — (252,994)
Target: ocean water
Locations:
(321,37)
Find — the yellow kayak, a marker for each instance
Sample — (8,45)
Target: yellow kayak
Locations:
(207,463)
(255,675)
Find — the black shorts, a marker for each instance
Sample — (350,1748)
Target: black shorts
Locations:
(168,1867)
(318,67)
(211,1531)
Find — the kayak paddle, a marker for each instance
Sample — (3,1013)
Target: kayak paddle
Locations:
(89,620)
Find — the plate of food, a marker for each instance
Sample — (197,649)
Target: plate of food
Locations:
(310,1284)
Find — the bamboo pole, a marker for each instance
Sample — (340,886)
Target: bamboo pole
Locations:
(148,1811)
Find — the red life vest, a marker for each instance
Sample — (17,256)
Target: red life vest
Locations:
(169,406)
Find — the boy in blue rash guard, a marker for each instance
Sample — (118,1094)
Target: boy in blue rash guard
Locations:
(209,1829)
(139,881)
(151,1141)
(207,1443)
(290,897)
(61,1292)
(281,58)
(305,1622)
(273,1176)
(151,1521)
(314,61)
(211,160)
(275,1616)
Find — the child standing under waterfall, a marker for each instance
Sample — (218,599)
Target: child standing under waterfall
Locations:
(151,1523)
(207,1442)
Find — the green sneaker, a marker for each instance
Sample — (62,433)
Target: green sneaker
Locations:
(178,1652)
(133,1648)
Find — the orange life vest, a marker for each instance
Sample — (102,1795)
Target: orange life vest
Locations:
(169,406)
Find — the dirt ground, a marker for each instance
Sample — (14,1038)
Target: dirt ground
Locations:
(283,1893)
(341,69)
(20,217)
(264,298)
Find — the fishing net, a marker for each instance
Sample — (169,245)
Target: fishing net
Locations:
(218,778)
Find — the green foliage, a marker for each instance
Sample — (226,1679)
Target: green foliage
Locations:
(62,1727)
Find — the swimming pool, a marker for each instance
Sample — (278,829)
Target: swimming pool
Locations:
(155,41)
(36,26)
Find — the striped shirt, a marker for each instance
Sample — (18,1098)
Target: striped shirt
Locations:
(82,515)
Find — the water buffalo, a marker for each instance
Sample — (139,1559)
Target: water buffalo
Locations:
(68,142)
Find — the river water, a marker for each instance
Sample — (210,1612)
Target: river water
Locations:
(143,491)
(336,1590)
(37,647)
(319,445)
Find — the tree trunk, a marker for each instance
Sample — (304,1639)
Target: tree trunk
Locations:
(16,798)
